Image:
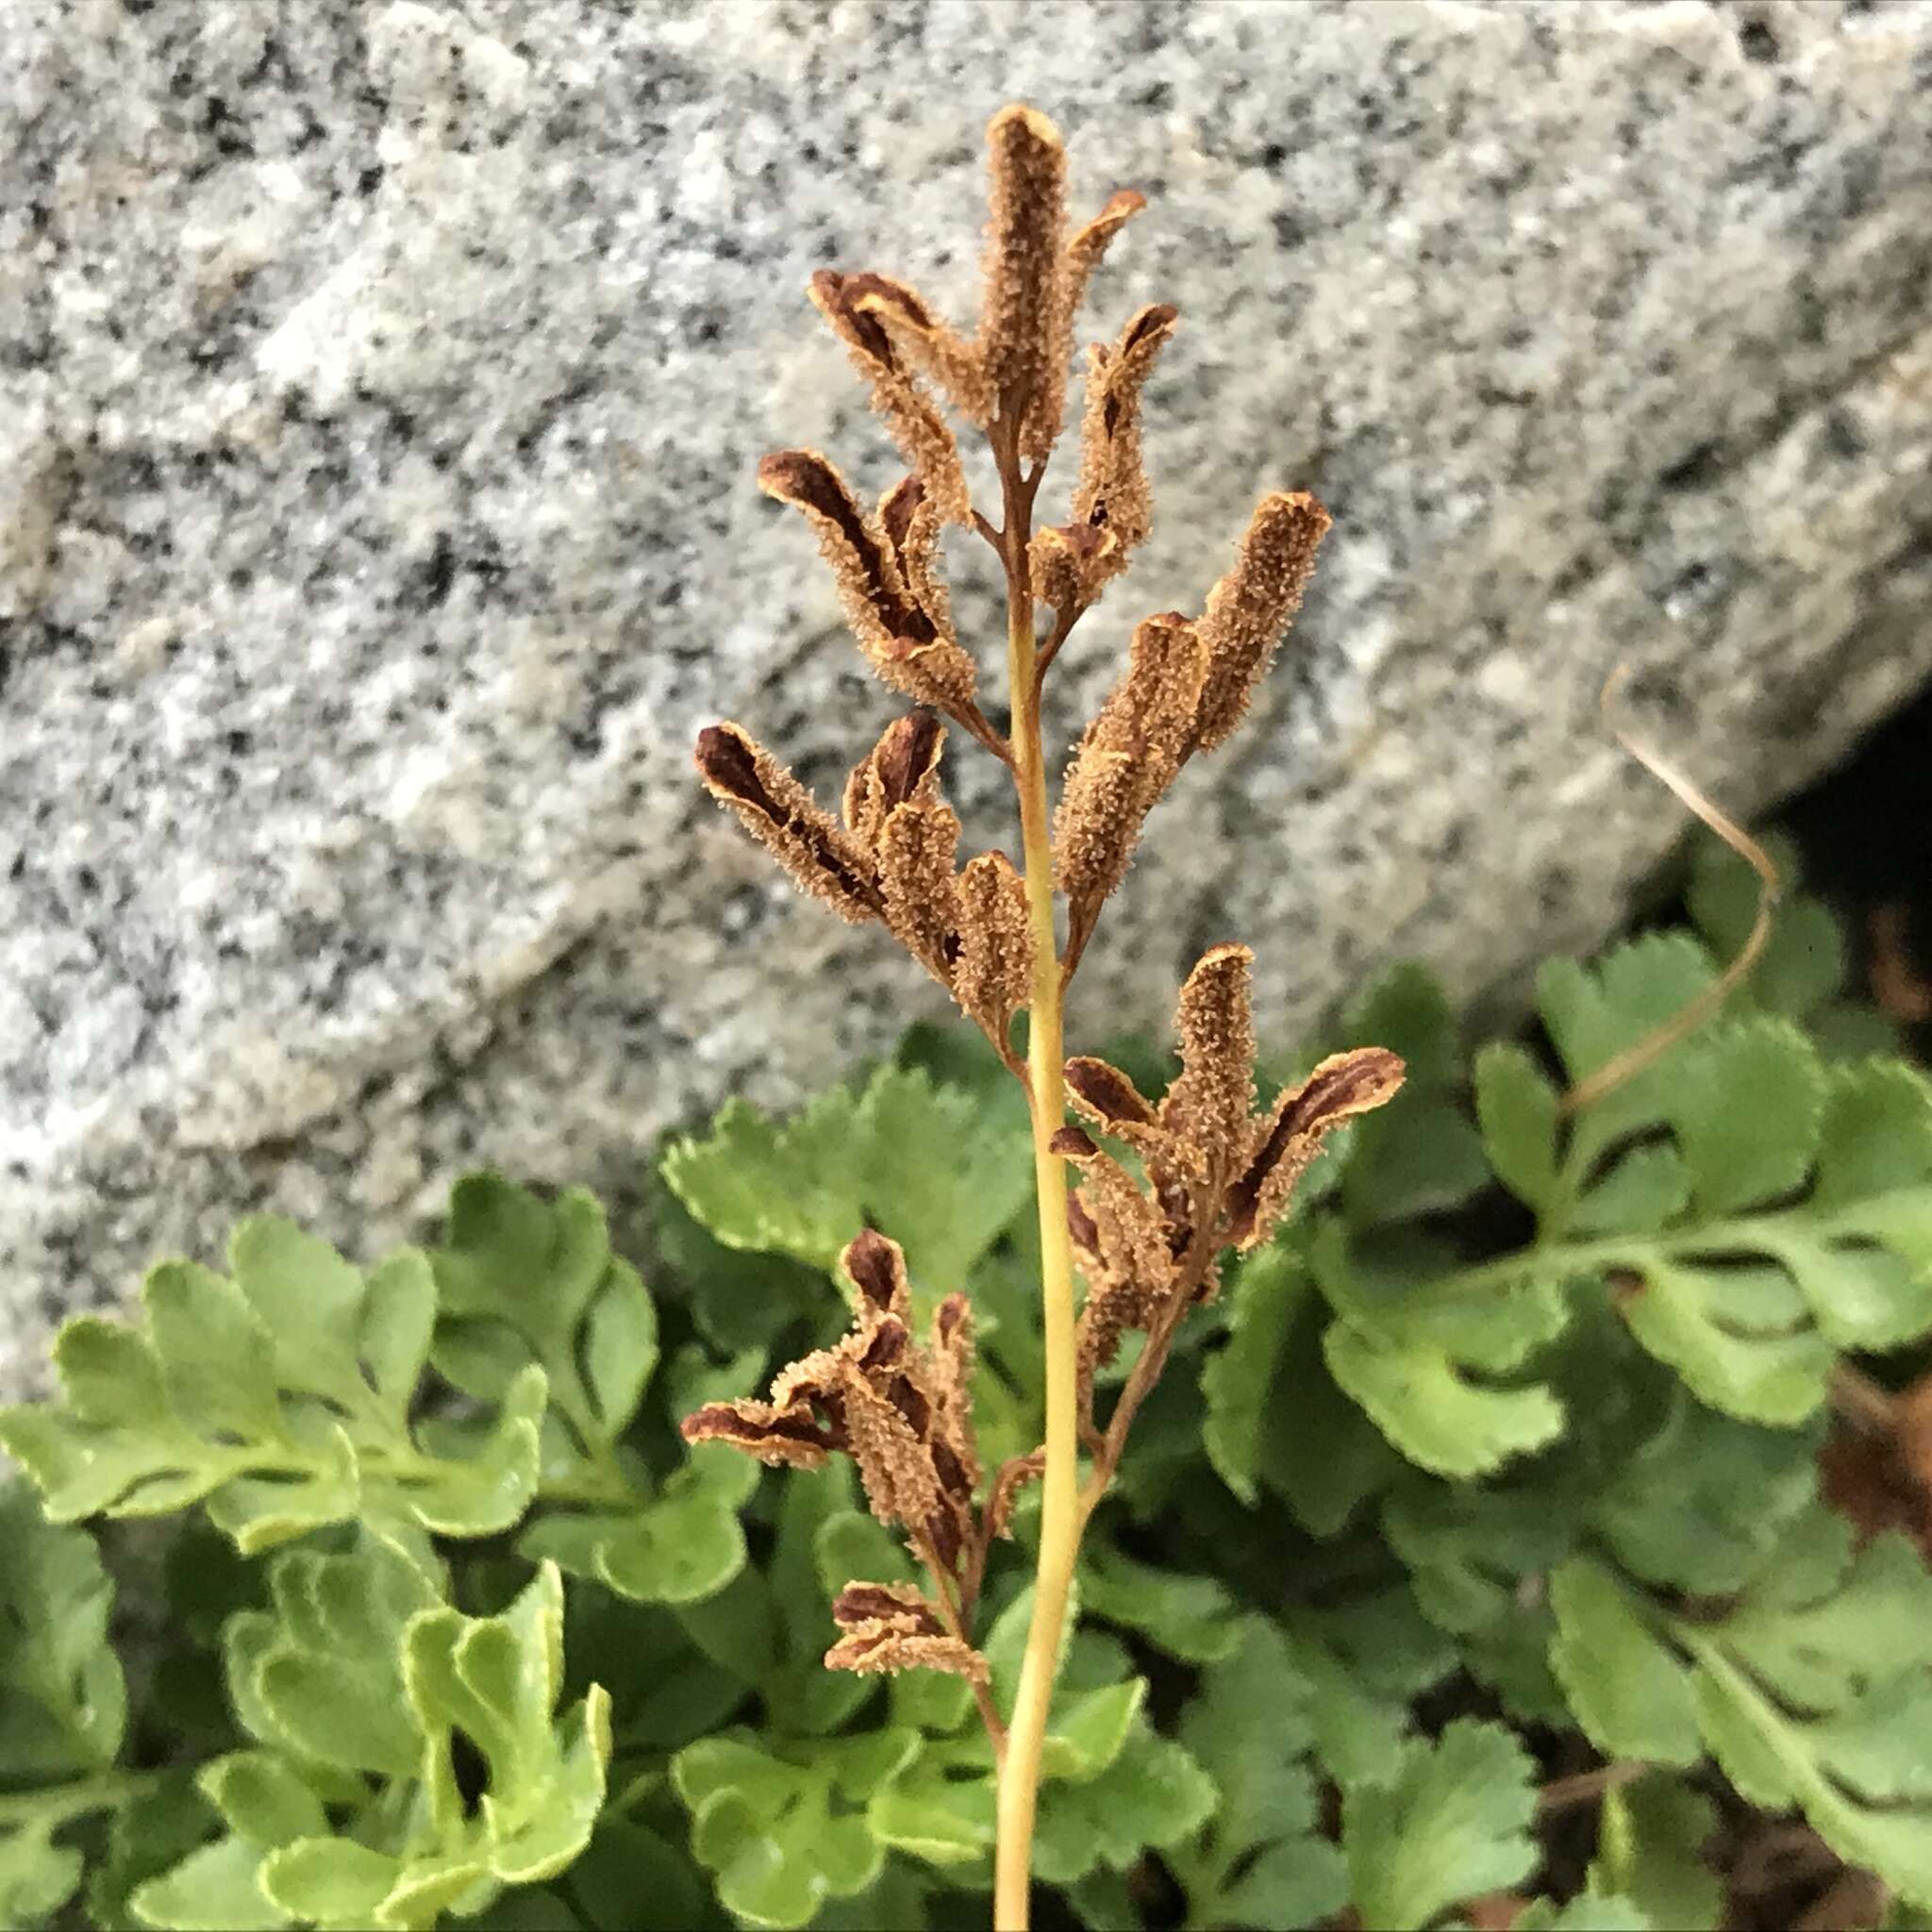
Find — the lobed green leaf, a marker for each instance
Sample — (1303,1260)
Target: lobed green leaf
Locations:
(1811,1690)
(1651,1850)
(1261,1859)
(1452,1824)
(279,1395)
(942,1171)
(347,1811)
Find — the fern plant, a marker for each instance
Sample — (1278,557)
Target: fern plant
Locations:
(1207,1174)
(444,1590)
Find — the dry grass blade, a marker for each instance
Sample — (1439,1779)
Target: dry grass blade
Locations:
(1659,1039)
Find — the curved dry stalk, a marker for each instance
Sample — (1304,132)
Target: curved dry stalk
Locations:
(1588,1786)
(1661,1039)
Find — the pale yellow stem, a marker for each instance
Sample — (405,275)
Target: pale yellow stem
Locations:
(1060,1521)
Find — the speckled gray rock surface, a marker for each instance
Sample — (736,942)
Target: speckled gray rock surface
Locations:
(380,388)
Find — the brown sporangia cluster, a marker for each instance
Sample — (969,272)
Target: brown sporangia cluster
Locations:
(893,858)
(1217,1175)
(903,1412)
(1113,506)
(886,567)
(1209,1172)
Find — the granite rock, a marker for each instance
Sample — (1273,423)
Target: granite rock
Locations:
(380,388)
